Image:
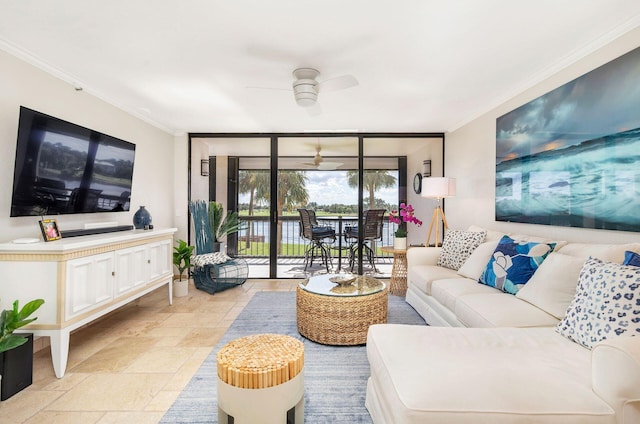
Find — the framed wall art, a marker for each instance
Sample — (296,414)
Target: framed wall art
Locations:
(572,156)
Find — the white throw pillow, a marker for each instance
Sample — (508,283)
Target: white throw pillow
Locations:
(553,285)
(606,305)
(477,262)
(457,246)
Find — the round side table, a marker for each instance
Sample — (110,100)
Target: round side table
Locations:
(398,283)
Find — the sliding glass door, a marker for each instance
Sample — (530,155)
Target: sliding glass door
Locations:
(267,178)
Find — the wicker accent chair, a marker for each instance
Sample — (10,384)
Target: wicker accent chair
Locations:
(373,225)
(319,238)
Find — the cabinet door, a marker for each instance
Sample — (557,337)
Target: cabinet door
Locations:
(160,259)
(89,283)
(131,269)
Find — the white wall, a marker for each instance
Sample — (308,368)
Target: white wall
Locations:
(153,176)
(180,160)
(427,149)
(470,156)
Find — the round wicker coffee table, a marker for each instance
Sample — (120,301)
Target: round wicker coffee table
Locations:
(340,314)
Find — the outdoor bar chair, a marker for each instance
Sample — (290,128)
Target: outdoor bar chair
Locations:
(373,225)
(319,238)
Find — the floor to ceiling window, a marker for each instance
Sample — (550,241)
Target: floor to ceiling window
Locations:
(267,178)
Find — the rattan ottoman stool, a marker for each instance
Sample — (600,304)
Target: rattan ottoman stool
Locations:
(261,380)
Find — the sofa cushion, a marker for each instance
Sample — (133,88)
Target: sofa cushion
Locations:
(631,258)
(477,262)
(501,310)
(606,252)
(492,235)
(606,304)
(448,291)
(479,375)
(421,276)
(513,263)
(553,285)
(457,246)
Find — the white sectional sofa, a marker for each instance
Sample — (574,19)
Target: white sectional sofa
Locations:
(505,361)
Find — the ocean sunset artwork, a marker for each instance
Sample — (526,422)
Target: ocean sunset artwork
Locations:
(572,156)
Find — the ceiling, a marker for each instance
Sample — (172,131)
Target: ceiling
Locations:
(422,65)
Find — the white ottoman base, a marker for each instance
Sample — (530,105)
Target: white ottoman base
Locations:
(265,406)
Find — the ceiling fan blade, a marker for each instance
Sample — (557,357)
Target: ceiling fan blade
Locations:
(338,83)
(314,110)
(257,87)
(329,166)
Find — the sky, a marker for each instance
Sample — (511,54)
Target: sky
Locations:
(602,102)
(329,187)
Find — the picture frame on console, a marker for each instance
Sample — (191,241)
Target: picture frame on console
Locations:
(49,228)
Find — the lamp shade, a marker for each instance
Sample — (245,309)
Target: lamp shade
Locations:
(438,187)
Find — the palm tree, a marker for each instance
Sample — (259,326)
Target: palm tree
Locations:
(256,183)
(372,180)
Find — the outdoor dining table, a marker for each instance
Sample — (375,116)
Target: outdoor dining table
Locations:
(337,223)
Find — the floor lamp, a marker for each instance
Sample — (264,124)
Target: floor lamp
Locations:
(438,188)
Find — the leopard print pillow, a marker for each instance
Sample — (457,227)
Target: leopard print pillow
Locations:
(606,304)
(457,246)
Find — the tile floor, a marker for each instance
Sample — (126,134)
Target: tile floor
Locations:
(131,365)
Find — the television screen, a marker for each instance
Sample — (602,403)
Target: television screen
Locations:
(63,168)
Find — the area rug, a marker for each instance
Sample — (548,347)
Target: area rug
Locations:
(335,377)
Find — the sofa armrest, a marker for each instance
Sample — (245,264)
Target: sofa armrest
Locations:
(422,256)
(615,373)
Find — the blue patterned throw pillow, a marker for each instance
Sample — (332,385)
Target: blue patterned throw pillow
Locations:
(631,258)
(513,263)
(606,304)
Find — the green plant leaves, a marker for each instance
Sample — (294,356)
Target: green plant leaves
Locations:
(12,319)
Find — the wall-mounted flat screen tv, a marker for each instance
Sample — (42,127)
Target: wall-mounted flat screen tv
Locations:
(63,168)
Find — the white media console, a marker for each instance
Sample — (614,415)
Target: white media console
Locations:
(83,278)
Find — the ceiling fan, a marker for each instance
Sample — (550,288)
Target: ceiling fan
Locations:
(306,87)
(321,164)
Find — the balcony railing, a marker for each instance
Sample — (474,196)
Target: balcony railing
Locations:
(253,242)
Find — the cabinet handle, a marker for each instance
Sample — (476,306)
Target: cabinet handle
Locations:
(113,273)
(148,261)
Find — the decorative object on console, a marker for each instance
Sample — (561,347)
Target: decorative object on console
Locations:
(404,216)
(142,219)
(49,229)
(438,188)
(513,263)
(457,246)
(605,304)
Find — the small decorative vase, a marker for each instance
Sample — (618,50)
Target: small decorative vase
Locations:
(141,219)
(400,243)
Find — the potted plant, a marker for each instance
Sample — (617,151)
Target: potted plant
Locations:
(404,216)
(182,254)
(221,225)
(10,354)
